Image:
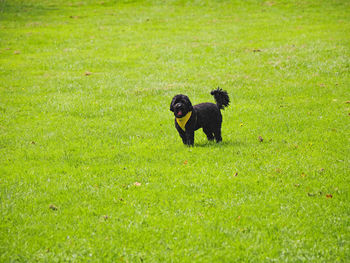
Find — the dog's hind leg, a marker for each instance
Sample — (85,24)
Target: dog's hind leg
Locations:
(209,133)
(217,134)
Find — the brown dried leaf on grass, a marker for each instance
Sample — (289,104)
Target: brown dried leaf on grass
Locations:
(53,207)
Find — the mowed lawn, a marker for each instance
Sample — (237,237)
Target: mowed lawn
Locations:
(93,170)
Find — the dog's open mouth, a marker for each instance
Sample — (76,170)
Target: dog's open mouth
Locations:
(179,113)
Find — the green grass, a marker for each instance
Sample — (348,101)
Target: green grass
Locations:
(72,146)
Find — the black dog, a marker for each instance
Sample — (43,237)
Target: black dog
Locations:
(207,115)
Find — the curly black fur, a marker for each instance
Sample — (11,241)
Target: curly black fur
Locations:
(204,115)
(221,97)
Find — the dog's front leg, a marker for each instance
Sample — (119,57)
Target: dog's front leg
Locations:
(189,138)
(182,135)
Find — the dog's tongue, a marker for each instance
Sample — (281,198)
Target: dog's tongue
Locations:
(179,113)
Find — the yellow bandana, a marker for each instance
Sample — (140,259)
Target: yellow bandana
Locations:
(182,121)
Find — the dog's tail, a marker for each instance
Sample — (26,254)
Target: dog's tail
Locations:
(221,97)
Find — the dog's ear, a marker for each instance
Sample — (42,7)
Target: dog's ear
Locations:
(188,103)
(172,104)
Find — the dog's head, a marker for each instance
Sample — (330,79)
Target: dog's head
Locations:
(180,105)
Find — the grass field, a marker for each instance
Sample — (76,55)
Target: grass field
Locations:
(92,168)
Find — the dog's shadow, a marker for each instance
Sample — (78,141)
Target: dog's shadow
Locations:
(225,144)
